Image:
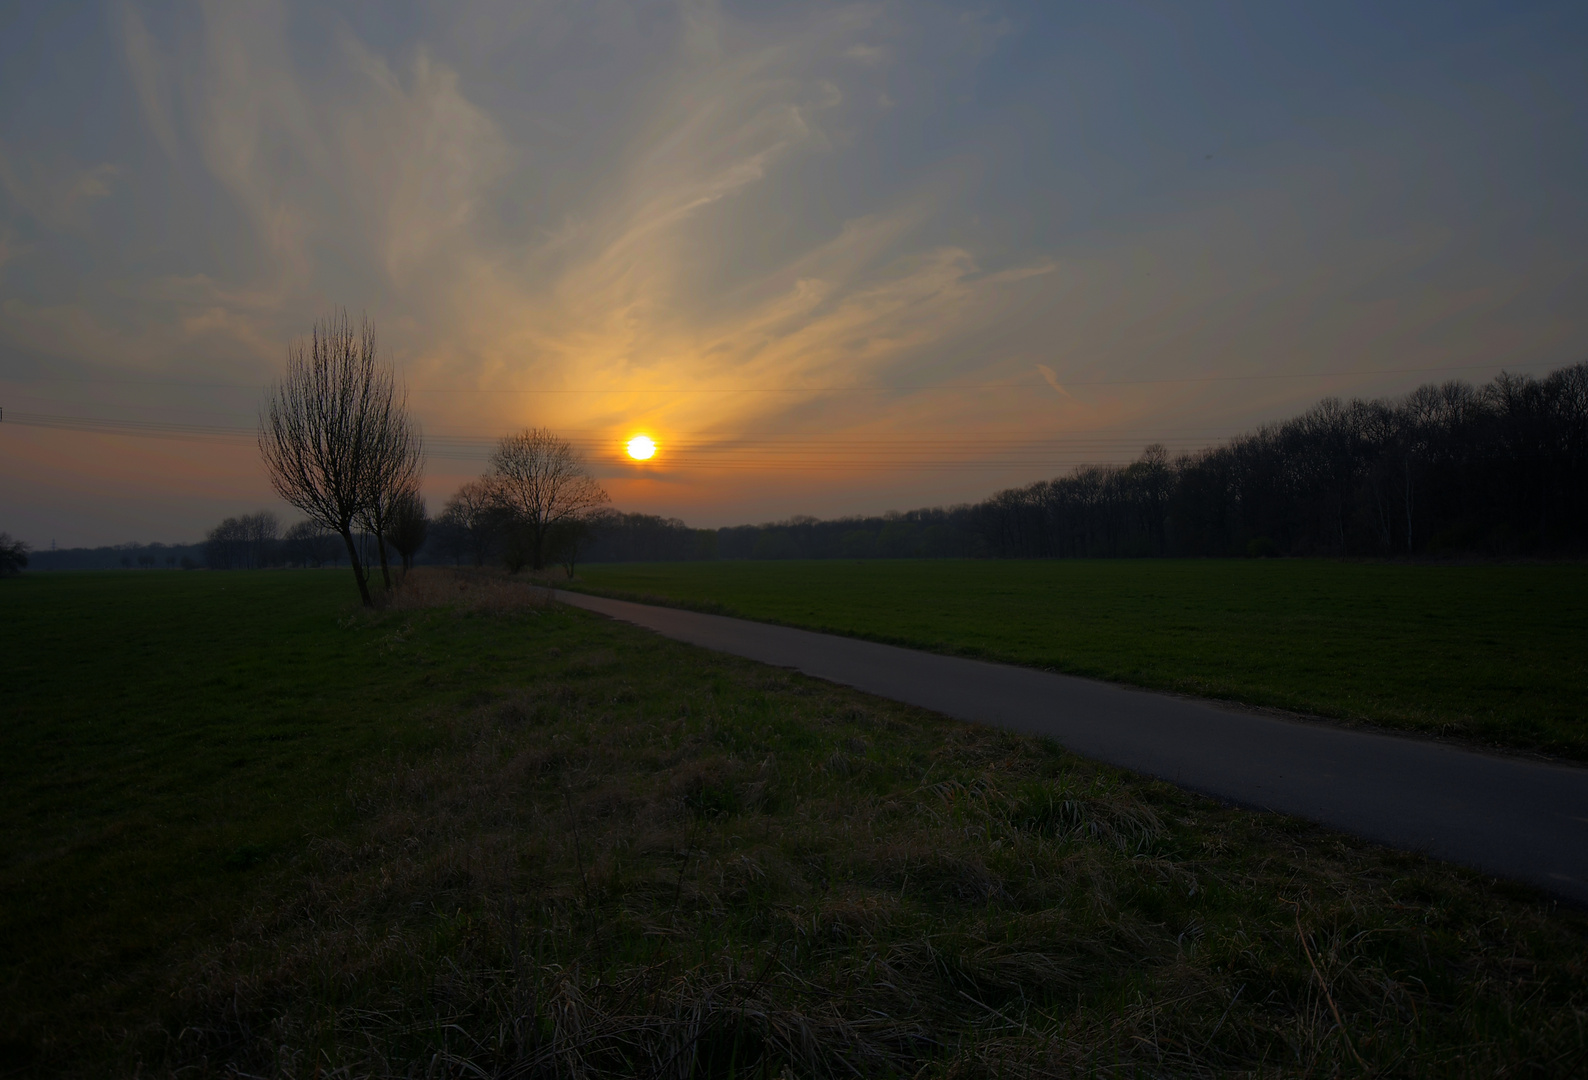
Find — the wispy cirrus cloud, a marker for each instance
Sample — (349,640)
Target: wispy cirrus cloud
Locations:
(378,176)
(723,222)
(58,195)
(150,74)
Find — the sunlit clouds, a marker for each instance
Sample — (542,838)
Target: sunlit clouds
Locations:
(796,241)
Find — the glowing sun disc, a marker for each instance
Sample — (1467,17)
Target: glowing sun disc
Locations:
(642,447)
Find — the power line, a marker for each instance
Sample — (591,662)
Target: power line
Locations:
(765,452)
(770,454)
(851,389)
(739,443)
(588,438)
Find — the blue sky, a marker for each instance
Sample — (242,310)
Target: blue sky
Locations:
(835,257)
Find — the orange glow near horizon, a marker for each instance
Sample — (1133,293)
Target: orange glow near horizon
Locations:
(642,448)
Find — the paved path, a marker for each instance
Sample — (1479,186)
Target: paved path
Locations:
(1509,817)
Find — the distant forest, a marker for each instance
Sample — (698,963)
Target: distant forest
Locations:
(120,557)
(1452,469)
(1498,470)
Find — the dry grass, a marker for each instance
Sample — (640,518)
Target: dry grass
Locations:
(474,589)
(635,858)
(742,873)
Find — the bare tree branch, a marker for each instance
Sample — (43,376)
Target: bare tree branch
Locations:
(336,437)
(541,481)
(13,555)
(408,526)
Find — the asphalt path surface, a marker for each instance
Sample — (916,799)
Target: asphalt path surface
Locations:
(1510,817)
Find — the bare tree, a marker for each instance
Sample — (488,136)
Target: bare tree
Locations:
(221,543)
(448,536)
(541,482)
(336,436)
(262,531)
(568,539)
(407,527)
(472,517)
(243,543)
(396,467)
(308,543)
(13,555)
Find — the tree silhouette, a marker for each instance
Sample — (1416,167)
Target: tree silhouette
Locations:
(336,437)
(541,484)
(408,525)
(13,555)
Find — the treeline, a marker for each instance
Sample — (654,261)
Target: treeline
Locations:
(618,537)
(933,533)
(1449,469)
(248,542)
(255,541)
(1499,470)
(131,556)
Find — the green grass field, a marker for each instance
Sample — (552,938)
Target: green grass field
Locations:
(1496,654)
(250,828)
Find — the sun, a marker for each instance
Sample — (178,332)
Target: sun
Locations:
(642,448)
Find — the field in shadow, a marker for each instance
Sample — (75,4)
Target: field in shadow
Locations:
(1487,653)
(475,834)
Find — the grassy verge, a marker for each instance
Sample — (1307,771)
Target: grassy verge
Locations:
(1494,654)
(471,837)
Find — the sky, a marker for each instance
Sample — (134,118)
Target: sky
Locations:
(834,258)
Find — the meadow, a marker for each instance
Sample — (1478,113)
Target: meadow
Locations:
(1493,654)
(250,828)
